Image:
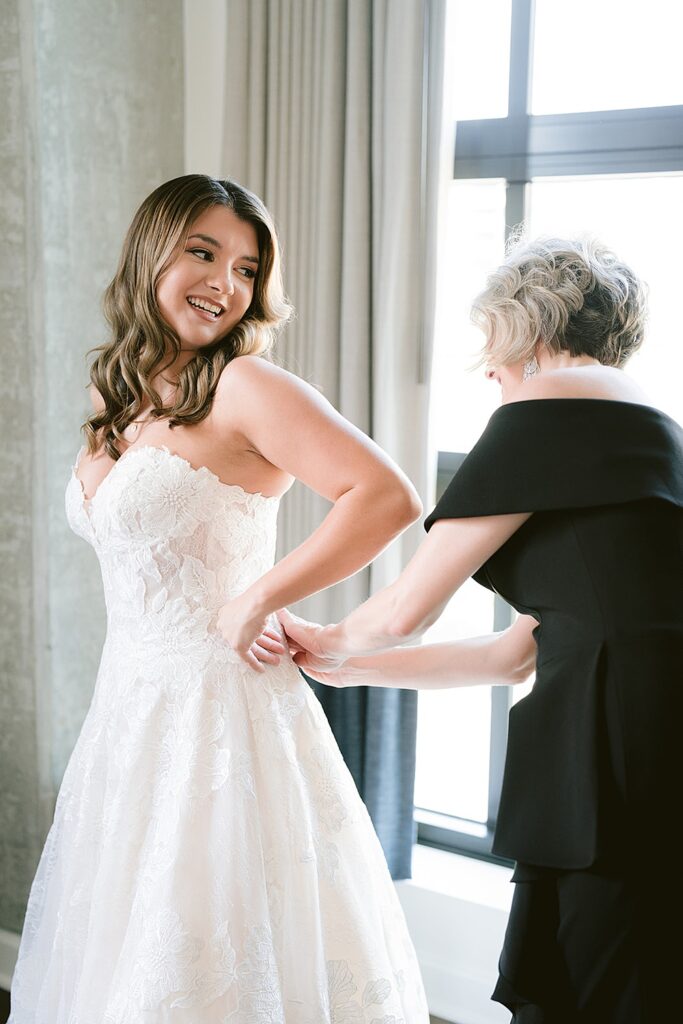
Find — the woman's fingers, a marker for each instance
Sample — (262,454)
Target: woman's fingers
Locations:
(287,623)
(269,646)
(309,663)
(311,666)
(302,660)
(292,623)
(296,629)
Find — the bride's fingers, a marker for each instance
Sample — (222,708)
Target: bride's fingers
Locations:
(252,661)
(271,643)
(263,655)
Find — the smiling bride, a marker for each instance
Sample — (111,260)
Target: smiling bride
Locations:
(210,858)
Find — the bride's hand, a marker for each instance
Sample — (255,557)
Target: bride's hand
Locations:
(249,635)
(307,647)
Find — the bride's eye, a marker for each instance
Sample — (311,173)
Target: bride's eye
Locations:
(203,254)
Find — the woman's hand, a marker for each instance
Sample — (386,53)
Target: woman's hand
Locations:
(307,647)
(249,635)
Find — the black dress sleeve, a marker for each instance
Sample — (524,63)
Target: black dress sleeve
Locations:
(551,454)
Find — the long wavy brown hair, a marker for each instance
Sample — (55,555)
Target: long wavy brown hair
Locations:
(142,343)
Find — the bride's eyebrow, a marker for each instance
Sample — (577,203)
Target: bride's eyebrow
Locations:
(213,241)
(208,239)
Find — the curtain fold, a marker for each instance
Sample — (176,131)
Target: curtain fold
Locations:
(332,113)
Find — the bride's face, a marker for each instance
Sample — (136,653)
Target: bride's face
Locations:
(209,287)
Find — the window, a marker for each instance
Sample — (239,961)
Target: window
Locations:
(572,131)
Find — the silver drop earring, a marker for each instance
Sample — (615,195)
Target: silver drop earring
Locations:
(530,368)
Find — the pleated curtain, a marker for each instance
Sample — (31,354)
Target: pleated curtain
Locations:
(332,114)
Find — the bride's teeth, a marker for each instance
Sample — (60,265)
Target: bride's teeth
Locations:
(206,306)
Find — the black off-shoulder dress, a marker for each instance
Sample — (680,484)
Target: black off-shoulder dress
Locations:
(591,795)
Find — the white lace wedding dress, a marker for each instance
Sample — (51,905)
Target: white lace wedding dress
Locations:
(210,860)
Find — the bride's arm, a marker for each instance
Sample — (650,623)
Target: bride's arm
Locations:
(290,425)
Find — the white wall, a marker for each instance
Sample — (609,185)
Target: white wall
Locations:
(205,56)
(91,121)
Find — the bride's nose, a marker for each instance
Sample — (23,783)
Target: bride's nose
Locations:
(220,281)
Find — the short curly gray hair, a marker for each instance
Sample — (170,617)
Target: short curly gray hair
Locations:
(572,295)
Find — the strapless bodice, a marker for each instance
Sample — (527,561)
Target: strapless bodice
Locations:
(174,544)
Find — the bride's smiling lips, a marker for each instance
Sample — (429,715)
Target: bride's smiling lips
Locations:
(207,309)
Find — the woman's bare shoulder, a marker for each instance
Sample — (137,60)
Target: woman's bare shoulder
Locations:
(605,382)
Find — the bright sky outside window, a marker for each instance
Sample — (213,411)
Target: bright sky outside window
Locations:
(452,774)
(641,218)
(480,57)
(606,55)
(462,401)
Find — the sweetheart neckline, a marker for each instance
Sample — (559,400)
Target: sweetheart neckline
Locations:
(86,503)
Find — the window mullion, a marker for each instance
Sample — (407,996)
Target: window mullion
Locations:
(515,205)
(521,35)
(500,709)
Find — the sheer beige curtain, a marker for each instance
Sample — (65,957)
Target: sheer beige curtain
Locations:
(333,115)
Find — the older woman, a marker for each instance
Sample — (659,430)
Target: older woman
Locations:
(570,506)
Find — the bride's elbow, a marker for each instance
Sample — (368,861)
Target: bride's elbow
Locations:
(401,503)
(413,505)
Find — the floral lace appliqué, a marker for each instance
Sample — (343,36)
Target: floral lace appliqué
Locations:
(210,860)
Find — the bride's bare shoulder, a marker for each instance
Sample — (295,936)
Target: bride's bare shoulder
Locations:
(253,378)
(252,369)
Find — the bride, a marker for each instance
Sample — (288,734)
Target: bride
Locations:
(210,860)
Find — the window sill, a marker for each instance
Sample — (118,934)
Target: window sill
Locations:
(457,909)
(465,878)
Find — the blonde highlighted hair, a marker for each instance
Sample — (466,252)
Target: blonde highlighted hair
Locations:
(142,343)
(570,295)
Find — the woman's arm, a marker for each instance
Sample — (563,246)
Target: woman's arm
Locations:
(504,658)
(452,551)
(293,427)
